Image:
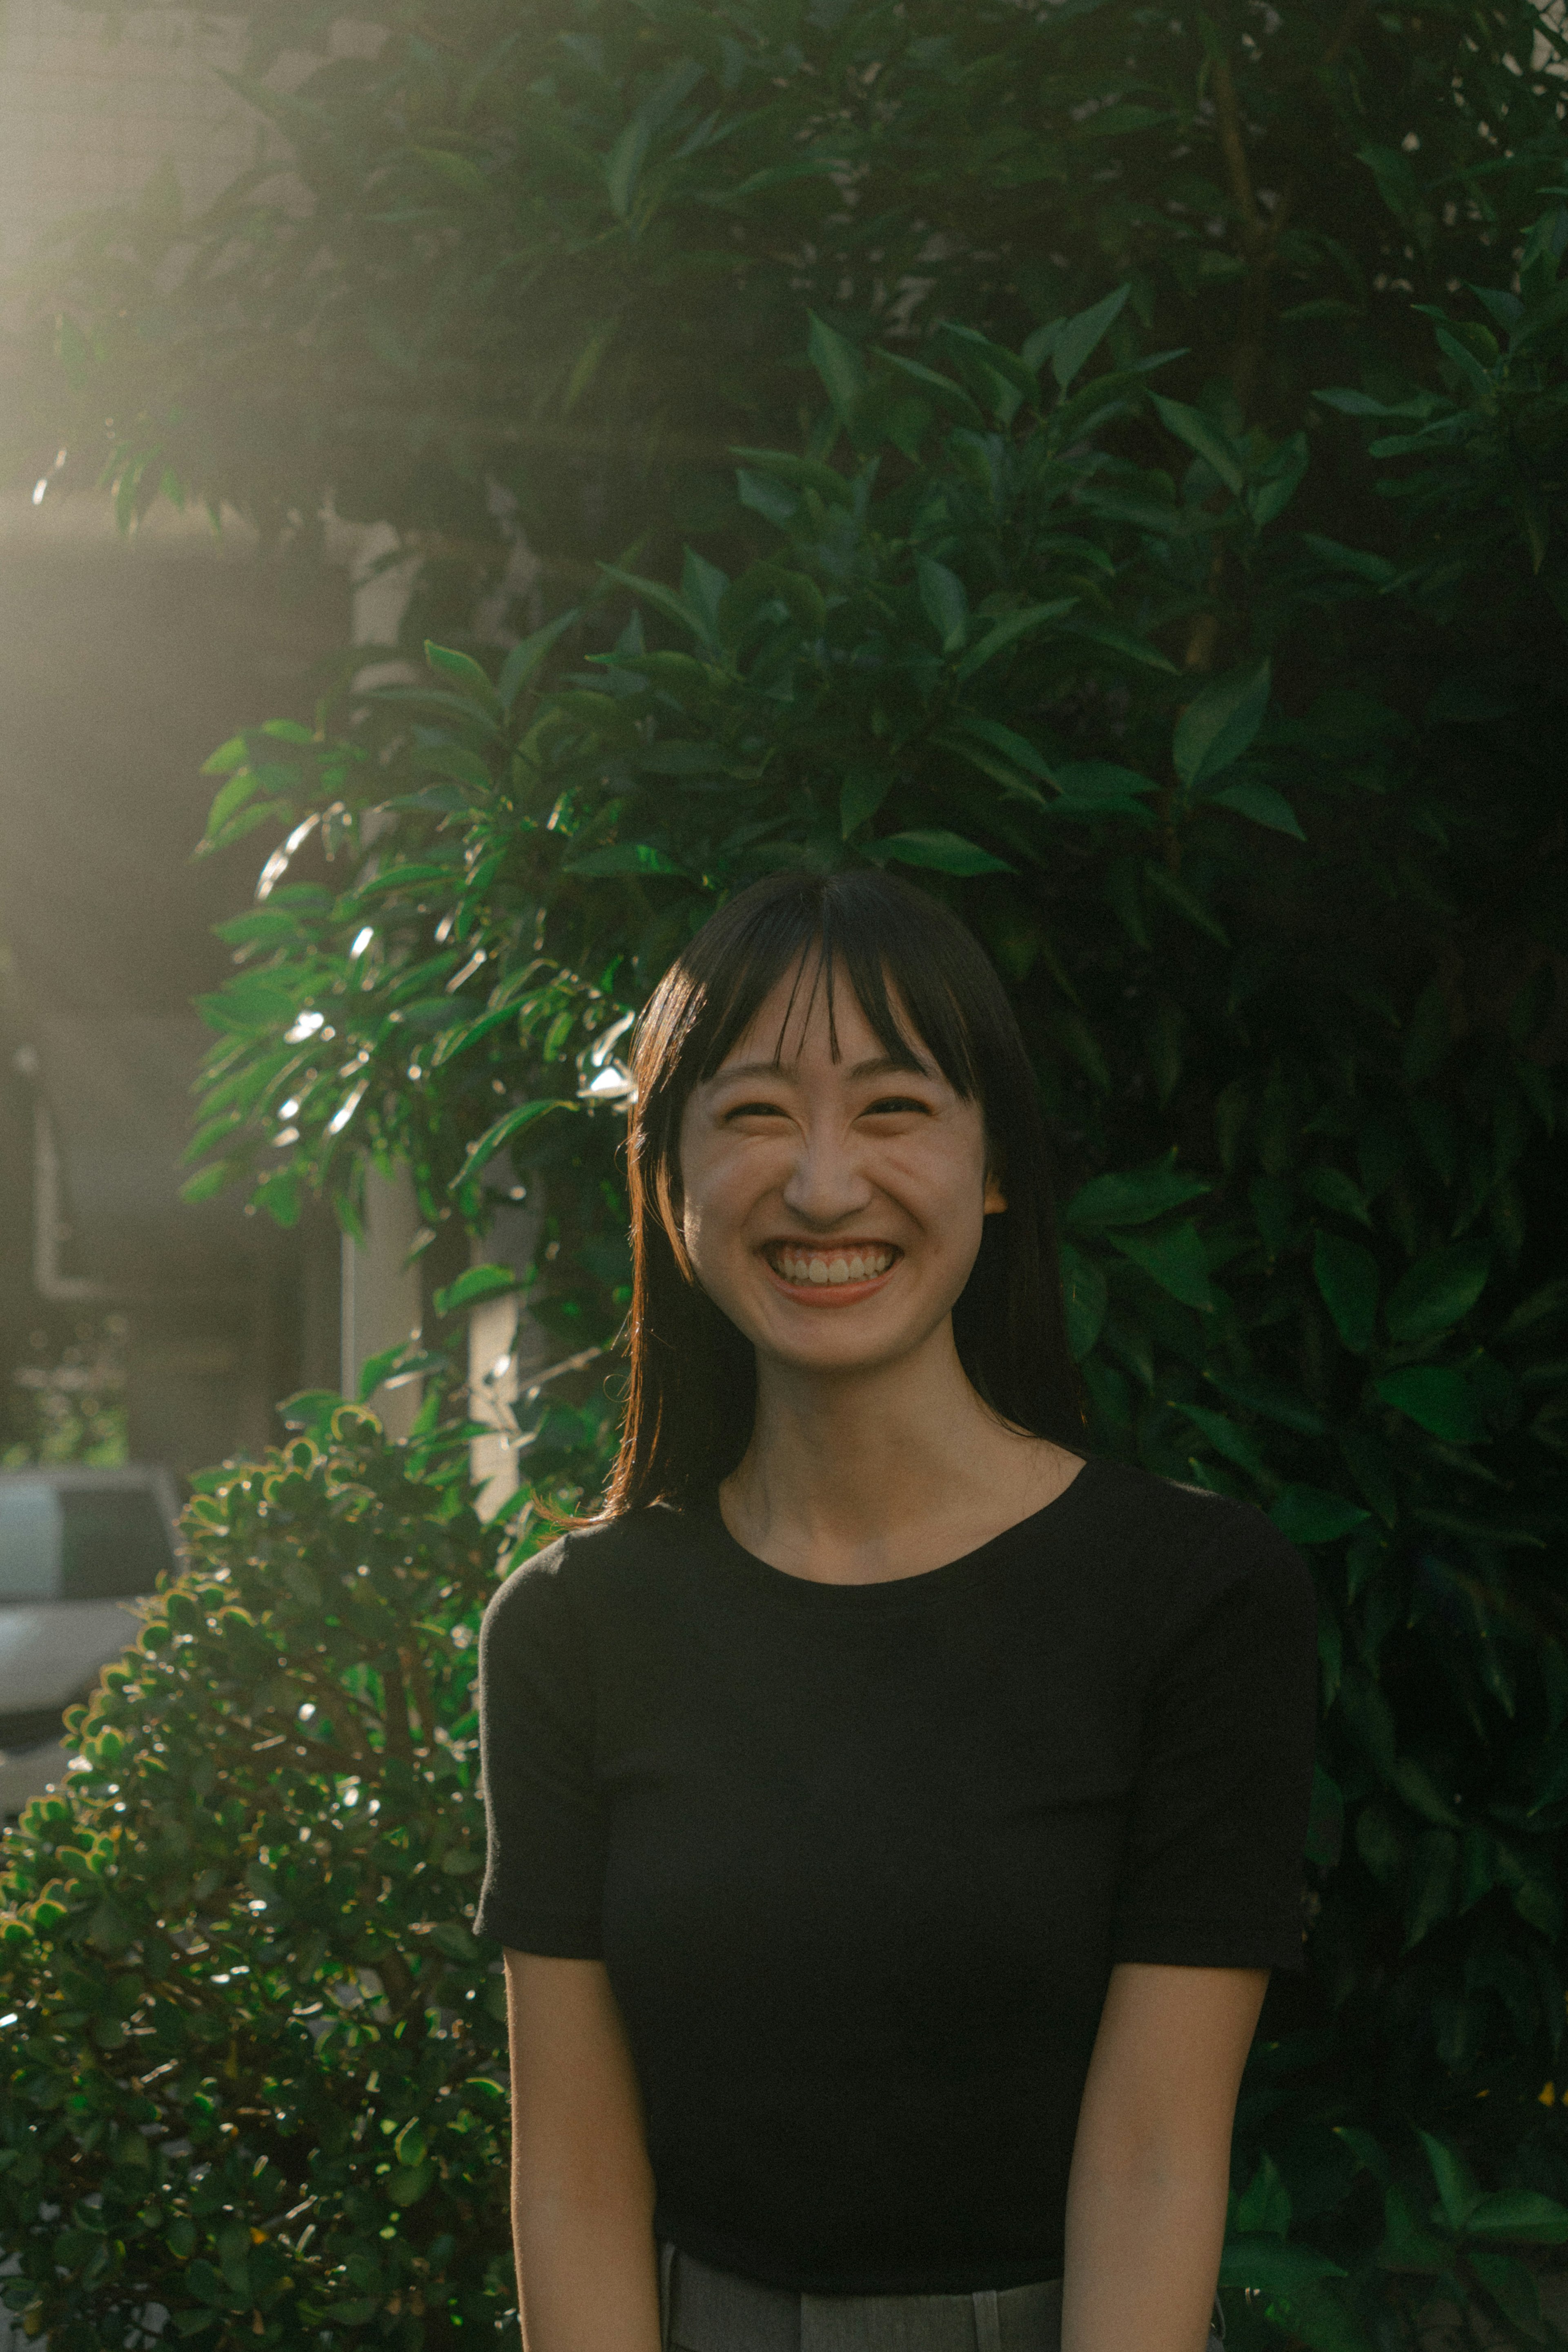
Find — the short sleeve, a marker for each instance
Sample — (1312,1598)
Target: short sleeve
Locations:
(1212,1871)
(544,1817)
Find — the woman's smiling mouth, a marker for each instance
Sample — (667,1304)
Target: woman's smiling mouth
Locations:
(822,1271)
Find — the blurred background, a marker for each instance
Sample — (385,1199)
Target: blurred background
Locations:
(134,1328)
(140,1336)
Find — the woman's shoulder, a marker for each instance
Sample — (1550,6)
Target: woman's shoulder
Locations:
(1189,1547)
(581,1569)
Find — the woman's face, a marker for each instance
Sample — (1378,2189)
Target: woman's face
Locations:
(832,1209)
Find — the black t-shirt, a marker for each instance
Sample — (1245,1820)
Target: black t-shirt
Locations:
(860,1858)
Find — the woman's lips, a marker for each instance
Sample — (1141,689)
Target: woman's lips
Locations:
(830,1275)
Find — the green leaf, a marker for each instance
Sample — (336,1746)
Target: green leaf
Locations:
(1310,1514)
(1098,788)
(228,798)
(1083,1300)
(1227,1439)
(774,584)
(1206,440)
(206,1181)
(663,600)
(1175,1261)
(943,853)
(1409,2244)
(228,756)
(1367,2151)
(945,601)
(479,1283)
(1263,804)
(1437,1292)
(1437,1400)
(460,171)
(772,501)
(860,795)
(1123,641)
(511,1124)
(1134,1197)
(625,858)
(1524,2216)
(1078,338)
(1008,630)
(841,367)
(1165,884)
(1433,1885)
(1377,569)
(1511,2285)
(408,2183)
(524,659)
(1457,2184)
(1273,2266)
(404,1357)
(1347,1279)
(1331,1189)
(1013,747)
(1257,1393)
(465,673)
(801,474)
(1263,2208)
(1219,724)
(624,164)
(941,387)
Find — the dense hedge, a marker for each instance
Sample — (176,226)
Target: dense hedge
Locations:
(251,2079)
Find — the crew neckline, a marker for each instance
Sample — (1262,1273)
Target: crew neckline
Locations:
(890,1592)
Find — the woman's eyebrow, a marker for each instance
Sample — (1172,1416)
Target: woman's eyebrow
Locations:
(883,1065)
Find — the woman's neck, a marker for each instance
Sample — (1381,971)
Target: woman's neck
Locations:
(882,1473)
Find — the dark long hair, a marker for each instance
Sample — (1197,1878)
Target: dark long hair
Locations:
(692,1394)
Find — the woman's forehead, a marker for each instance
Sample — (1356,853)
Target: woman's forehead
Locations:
(813,1012)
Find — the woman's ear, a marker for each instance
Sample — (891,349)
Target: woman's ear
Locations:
(996,1199)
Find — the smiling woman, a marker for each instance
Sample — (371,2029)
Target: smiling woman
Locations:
(893,1815)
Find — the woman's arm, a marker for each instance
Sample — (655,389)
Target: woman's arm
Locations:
(1151,2162)
(582,2191)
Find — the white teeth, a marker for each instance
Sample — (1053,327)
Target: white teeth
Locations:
(860,1268)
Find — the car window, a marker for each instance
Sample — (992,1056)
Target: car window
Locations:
(79,1543)
(115,1543)
(31,1526)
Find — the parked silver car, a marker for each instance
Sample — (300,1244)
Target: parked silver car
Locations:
(78,1548)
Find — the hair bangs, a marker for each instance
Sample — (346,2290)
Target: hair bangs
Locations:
(857,938)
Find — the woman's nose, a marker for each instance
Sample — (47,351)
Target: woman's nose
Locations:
(825,1185)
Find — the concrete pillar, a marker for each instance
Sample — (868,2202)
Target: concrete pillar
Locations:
(381,1301)
(506,1351)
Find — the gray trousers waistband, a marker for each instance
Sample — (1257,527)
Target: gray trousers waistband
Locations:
(704,2310)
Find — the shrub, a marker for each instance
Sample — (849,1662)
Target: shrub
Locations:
(253,2075)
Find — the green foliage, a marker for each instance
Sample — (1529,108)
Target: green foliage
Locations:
(1110,465)
(565,250)
(1336,1296)
(254,2063)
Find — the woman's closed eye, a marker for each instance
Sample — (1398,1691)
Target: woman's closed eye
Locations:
(755,1110)
(897,1105)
